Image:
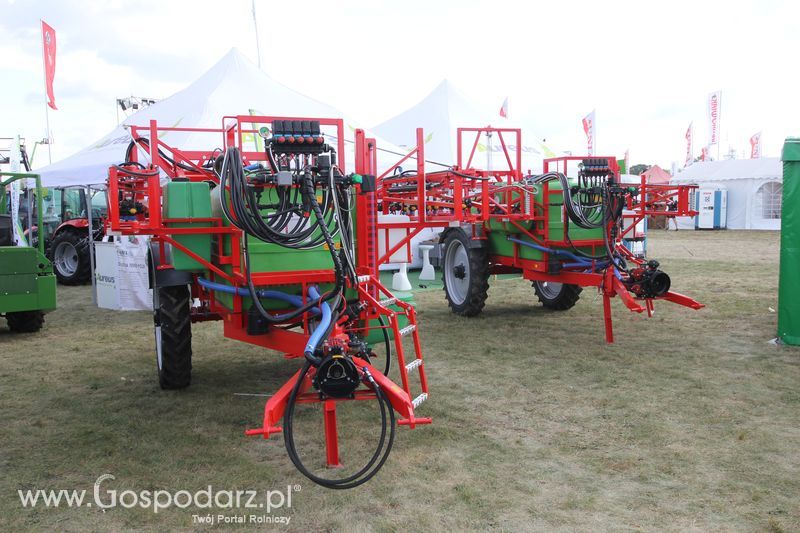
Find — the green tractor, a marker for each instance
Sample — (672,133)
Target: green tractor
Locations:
(27,282)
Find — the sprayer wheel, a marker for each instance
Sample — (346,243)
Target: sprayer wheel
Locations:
(465,275)
(173,332)
(557,296)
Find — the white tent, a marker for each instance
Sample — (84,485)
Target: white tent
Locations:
(754,189)
(233,86)
(440,114)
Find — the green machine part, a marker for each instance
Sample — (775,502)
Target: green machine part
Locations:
(789,284)
(185,199)
(500,230)
(269,257)
(27,282)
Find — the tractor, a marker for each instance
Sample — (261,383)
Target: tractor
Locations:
(27,283)
(66,222)
(68,227)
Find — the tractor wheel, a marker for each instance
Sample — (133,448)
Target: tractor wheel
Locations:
(25,321)
(557,296)
(465,275)
(173,332)
(70,257)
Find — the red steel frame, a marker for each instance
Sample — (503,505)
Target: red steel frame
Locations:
(145,186)
(464,195)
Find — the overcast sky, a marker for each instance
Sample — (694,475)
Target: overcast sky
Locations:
(646,67)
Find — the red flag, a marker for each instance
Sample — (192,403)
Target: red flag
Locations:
(689,146)
(755,146)
(704,153)
(504,108)
(589,130)
(49,52)
(714,108)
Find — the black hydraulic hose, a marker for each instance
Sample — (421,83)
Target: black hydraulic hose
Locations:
(248,218)
(387,343)
(145,174)
(276,319)
(335,293)
(375,463)
(146,141)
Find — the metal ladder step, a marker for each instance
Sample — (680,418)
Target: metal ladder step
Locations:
(408,329)
(413,364)
(416,402)
(388,301)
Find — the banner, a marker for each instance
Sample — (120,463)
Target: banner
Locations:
(689,146)
(121,274)
(714,101)
(504,108)
(755,146)
(17,231)
(49,53)
(589,130)
(704,154)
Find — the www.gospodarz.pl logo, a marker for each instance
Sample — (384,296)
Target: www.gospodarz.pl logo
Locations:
(104,498)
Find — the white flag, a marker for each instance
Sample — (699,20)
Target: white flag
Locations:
(504,108)
(589,129)
(714,106)
(755,146)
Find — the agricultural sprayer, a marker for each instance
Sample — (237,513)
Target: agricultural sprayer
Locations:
(269,235)
(27,283)
(562,233)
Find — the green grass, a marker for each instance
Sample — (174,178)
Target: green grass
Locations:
(690,421)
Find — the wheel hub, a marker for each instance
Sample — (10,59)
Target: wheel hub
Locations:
(65,258)
(456,272)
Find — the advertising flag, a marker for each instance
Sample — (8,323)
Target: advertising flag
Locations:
(589,128)
(49,53)
(689,146)
(504,108)
(714,103)
(755,146)
(704,154)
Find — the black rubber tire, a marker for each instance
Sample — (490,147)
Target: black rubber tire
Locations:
(25,321)
(566,298)
(173,333)
(80,241)
(477,270)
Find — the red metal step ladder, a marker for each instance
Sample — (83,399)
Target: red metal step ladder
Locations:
(371,289)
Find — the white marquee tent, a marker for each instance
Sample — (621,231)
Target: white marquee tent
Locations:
(440,114)
(232,86)
(754,190)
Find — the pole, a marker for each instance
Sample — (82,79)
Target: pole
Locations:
(46,103)
(789,278)
(91,243)
(719,123)
(489,151)
(255,23)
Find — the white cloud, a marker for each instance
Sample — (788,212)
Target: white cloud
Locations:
(646,68)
